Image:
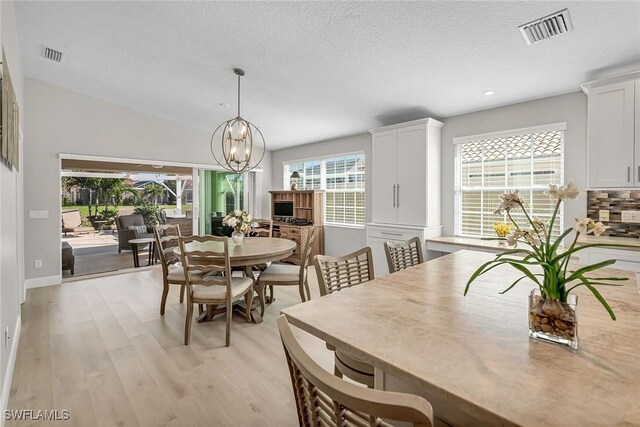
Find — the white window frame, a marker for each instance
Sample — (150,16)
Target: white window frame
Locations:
(323,175)
(561,126)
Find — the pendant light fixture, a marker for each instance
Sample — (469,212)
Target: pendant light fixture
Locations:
(238,138)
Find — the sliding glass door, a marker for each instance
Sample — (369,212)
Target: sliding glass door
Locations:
(219,193)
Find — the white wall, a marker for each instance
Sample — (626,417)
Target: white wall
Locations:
(11,272)
(61,121)
(570,108)
(337,240)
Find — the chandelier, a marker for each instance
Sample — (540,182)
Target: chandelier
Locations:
(239,138)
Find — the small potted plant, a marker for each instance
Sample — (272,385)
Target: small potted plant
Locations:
(502,230)
(552,307)
(240,221)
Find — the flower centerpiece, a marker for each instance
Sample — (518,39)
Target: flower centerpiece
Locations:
(552,307)
(502,230)
(240,221)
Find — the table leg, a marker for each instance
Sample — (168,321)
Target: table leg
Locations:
(150,254)
(134,251)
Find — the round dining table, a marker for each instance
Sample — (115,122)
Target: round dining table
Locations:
(252,251)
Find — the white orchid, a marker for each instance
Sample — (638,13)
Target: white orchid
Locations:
(508,201)
(563,192)
(589,226)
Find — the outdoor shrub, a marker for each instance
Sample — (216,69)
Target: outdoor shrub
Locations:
(148,212)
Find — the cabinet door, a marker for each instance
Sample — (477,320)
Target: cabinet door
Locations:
(611,135)
(384,177)
(412,166)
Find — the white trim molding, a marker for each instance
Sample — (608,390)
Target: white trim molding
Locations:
(39,282)
(634,75)
(11,363)
(492,135)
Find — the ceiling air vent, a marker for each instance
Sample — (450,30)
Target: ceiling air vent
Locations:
(547,27)
(52,54)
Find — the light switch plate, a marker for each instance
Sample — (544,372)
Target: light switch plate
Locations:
(631,216)
(38,214)
(603,215)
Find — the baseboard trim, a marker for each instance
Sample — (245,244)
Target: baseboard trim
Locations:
(8,374)
(39,282)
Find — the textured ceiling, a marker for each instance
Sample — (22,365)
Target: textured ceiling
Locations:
(319,70)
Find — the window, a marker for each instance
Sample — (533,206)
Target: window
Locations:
(487,166)
(342,178)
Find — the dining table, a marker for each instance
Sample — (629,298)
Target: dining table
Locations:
(252,252)
(471,356)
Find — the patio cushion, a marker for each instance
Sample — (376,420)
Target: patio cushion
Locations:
(239,286)
(280,273)
(141,229)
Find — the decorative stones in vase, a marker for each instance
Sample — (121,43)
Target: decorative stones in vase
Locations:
(553,320)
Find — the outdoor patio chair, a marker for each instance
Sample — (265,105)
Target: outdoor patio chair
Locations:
(72,223)
(129,228)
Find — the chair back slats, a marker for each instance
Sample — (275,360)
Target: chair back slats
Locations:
(336,273)
(213,264)
(166,241)
(263,227)
(403,255)
(325,400)
(307,250)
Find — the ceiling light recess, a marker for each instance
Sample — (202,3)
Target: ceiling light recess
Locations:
(52,54)
(488,92)
(547,27)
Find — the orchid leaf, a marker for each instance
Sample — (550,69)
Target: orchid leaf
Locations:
(579,272)
(599,297)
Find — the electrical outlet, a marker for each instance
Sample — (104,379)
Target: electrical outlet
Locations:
(38,263)
(603,215)
(631,216)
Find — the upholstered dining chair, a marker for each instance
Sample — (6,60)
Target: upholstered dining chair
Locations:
(335,274)
(322,399)
(209,281)
(172,273)
(403,255)
(287,274)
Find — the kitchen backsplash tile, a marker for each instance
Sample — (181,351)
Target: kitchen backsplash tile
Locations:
(615,201)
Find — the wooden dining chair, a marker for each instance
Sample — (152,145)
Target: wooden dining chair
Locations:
(263,227)
(209,281)
(287,274)
(172,273)
(335,274)
(323,399)
(403,255)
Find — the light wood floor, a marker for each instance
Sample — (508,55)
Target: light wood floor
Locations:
(100,349)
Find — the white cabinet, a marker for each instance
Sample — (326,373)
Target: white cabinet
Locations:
(406,174)
(614,133)
(625,259)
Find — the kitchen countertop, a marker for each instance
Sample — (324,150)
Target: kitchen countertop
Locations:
(470,242)
(477,243)
(633,241)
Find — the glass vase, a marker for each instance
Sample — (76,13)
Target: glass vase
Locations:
(553,321)
(237,237)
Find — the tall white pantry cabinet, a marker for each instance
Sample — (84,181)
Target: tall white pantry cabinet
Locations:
(614,132)
(405,186)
